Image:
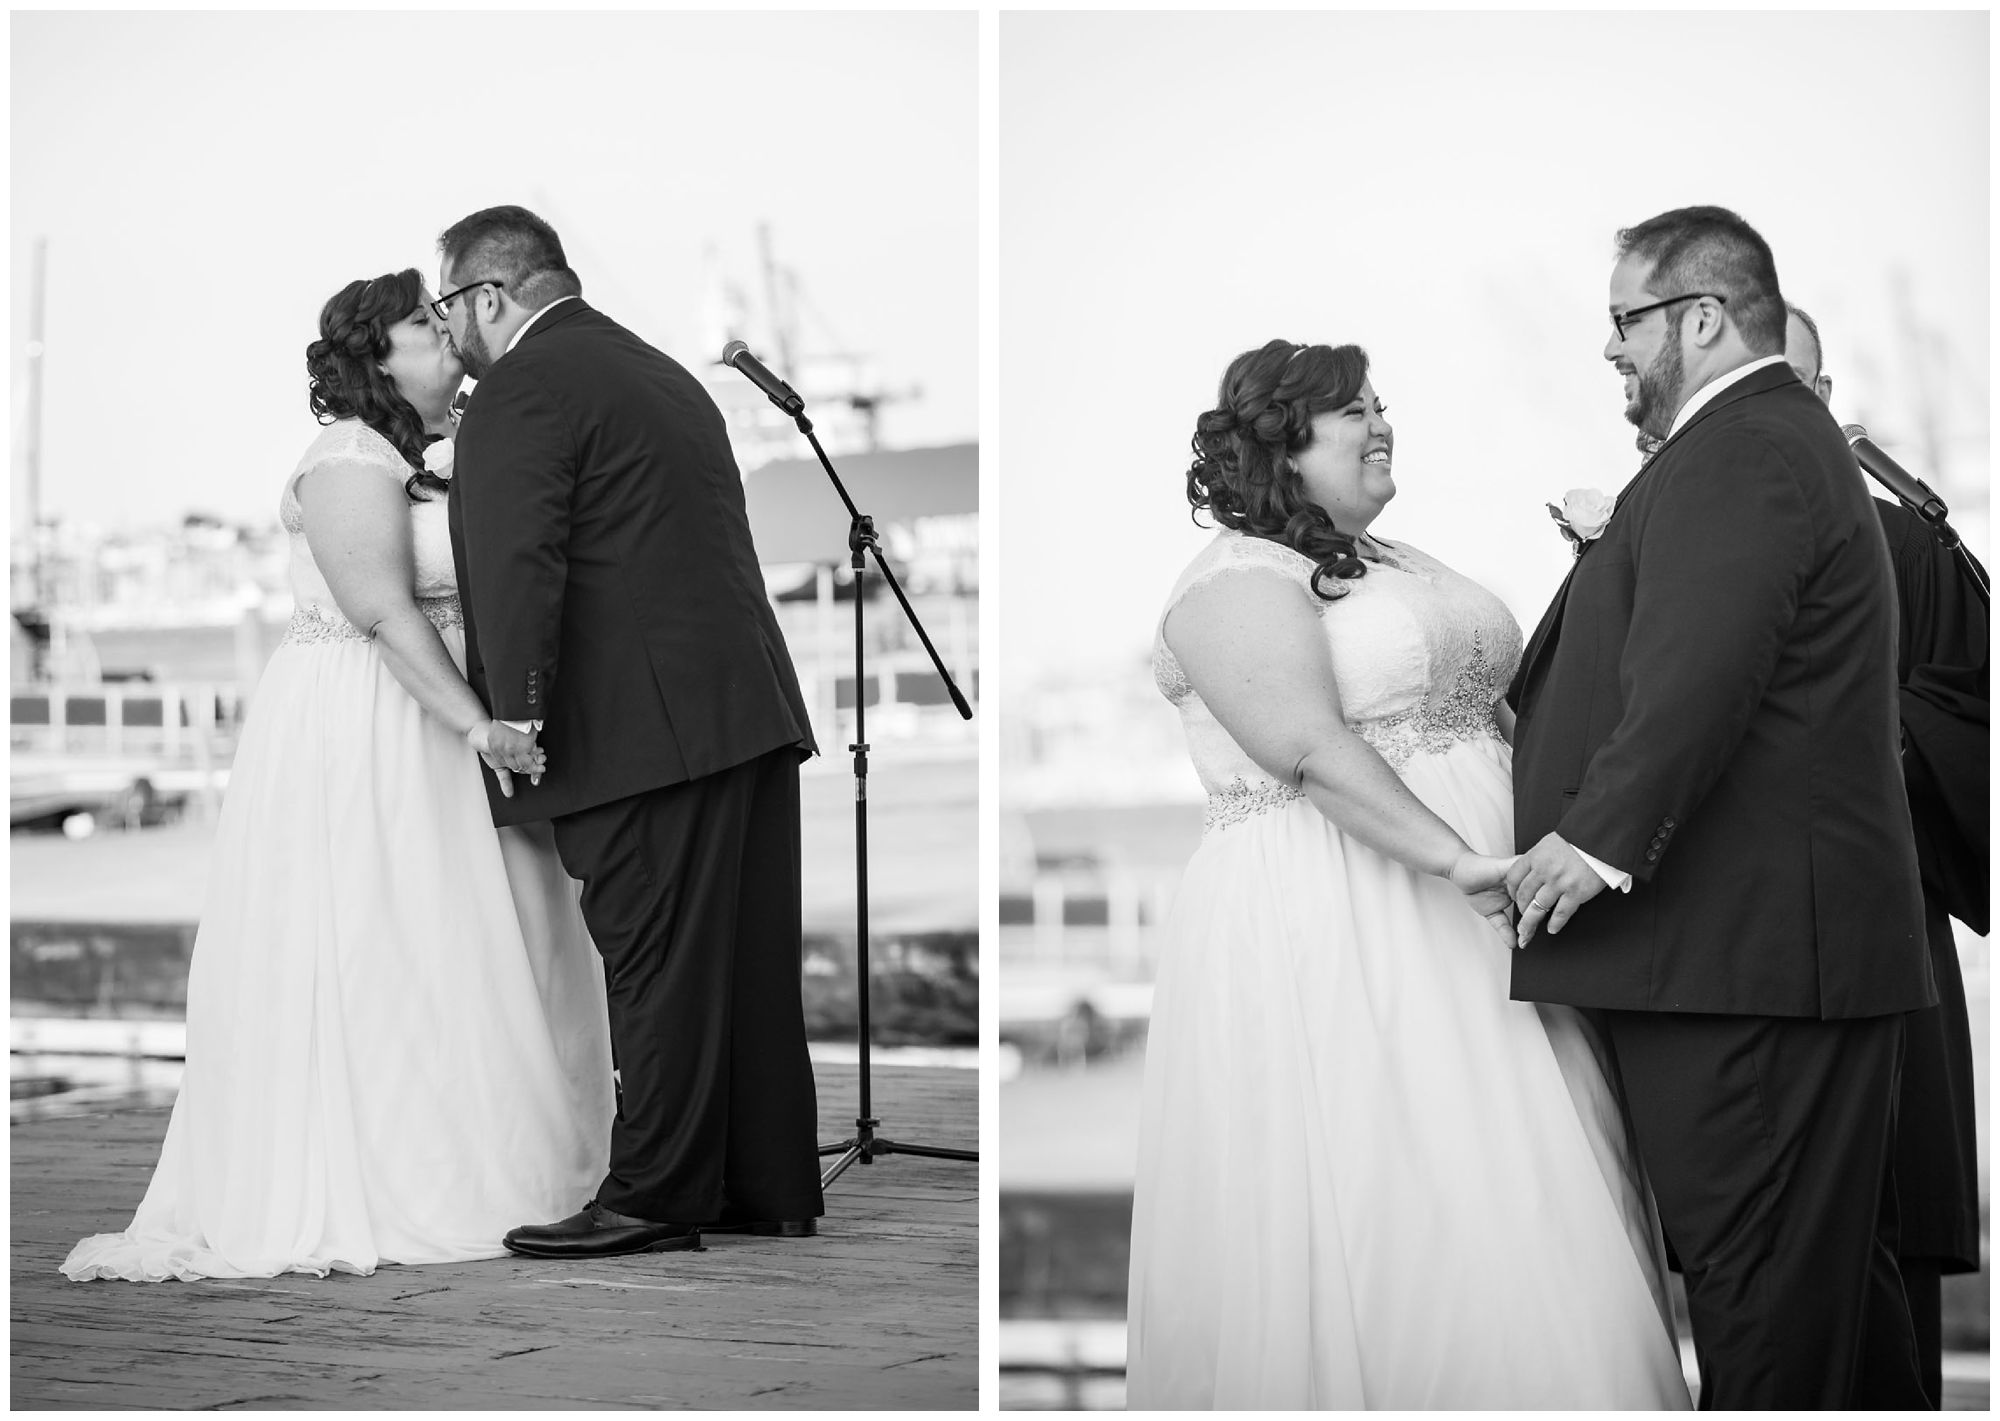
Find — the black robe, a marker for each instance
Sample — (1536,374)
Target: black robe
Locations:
(1942,679)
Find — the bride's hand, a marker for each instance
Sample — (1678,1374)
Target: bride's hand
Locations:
(506,749)
(501,774)
(1482,878)
(1473,874)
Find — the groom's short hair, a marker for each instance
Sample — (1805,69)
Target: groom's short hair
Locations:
(511,245)
(1712,249)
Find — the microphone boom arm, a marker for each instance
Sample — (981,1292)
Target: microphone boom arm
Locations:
(861,528)
(1917,496)
(862,535)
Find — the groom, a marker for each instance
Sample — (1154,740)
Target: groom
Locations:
(614,609)
(1707,728)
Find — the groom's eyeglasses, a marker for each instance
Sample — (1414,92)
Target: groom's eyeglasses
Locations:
(443,303)
(1620,318)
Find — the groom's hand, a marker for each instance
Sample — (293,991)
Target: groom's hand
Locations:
(1549,883)
(508,752)
(516,749)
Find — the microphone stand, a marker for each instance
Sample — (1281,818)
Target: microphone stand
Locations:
(864,1145)
(1973,571)
(1932,510)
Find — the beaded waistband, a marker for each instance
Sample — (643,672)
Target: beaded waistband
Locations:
(1430,731)
(315,624)
(1236,802)
(1398,740)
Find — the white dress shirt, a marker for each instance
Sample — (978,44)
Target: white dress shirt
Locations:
(1706,392)
(515,339)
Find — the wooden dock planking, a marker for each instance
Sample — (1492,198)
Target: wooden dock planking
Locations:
(880,1310)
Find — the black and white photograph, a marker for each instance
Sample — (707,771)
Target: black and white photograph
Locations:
(495,711)
(1493,792)
(1000,709)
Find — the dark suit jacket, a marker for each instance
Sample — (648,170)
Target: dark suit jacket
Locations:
(1711,705)
(607,574)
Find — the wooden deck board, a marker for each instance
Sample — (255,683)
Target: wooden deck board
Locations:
(880,1310)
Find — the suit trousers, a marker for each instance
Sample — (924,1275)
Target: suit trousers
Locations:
(1768,1141)
(691,892)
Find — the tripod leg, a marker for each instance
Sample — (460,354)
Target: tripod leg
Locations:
(890,1147)
(855,1152)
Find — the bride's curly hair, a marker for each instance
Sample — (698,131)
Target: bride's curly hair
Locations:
(1243,474)
(344,376)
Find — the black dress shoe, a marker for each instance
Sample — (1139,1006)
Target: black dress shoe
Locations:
(769,1228)
(597,1232)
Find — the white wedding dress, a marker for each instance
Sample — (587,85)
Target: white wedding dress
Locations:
(1366,1178)
(396,1033)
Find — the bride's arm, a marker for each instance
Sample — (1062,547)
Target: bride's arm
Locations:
(1503,716)
(1252,647)
(357,523)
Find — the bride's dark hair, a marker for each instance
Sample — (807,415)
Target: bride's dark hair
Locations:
(1243,474)
(344,377)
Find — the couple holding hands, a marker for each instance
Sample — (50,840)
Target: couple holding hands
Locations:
(1394,1153)
(401,1044)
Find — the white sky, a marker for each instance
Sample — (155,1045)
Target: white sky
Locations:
(1443,189)
(207,181)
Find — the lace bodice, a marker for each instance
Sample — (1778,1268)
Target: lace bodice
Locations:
(317,616)
(1420,655)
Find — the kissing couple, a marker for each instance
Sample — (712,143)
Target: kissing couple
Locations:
(400,1042)
(1496,970)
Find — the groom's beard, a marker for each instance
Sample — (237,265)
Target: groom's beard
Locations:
(473,351)
(1658,396)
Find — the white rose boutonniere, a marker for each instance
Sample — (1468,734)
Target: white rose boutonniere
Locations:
(1582,516)
(438,457)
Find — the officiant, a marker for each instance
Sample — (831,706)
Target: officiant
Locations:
(1942,696)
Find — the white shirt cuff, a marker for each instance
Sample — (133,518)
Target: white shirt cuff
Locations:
(1613,878)
(534,727)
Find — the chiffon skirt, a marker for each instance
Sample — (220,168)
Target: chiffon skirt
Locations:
(1366,1178)
(397,1047)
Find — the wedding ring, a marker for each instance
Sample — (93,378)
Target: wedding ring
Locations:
(1537,902)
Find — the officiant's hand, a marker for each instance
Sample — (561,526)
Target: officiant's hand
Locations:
(508,752)
(1549,883)
(1482,878)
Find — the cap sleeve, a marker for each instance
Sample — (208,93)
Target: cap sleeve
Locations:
(346,442)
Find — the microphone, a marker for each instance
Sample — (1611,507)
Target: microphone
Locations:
(1900,481)
(737,353)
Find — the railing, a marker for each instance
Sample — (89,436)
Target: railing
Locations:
(188,731)
(182,724)
(1062,1364)
(905,696)
(1103,918)
(823,630)
(906,701)
(92,753)
(1079,949)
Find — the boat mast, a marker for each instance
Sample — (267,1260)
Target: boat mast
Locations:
(31,424)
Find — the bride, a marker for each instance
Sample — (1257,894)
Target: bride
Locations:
(395,1020)
(1366,1178)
